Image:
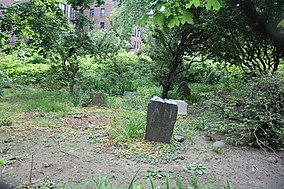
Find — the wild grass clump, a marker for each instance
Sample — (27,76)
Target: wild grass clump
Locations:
(130,127)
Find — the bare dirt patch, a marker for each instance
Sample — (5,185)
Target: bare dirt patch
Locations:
(78,147)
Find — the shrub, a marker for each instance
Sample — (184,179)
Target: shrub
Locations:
(205,72)
(253,113)
(22,72)
(123,72)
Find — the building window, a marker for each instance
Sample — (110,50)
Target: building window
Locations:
(72,14)
(62,7)
(102,25)
(102,12)
(92,13)
(91,28)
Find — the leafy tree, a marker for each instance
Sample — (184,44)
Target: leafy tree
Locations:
(264,17)
(128,15)
(37,23)
(42,25)
(237,41)
(179,12)
(169,47)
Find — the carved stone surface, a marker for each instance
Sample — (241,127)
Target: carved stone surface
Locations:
(161,118)
(98,99)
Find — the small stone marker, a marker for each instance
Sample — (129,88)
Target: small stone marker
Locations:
(98,99)
(182,107)
(219,144)
(179,138)
(161,118)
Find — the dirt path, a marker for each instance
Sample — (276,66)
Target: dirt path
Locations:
(75,149)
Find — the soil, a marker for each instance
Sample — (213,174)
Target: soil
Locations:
(77,147)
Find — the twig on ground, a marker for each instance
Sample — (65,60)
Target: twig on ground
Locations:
(70,154)
(31,171)
(262,145)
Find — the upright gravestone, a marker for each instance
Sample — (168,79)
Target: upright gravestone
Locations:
(98,99)
(184,90)
(161,118)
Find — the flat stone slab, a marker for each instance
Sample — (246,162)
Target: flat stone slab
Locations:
(161,117)
(179,138)
(182,107)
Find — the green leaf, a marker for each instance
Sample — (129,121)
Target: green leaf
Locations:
(196,3)
(188,5)
(281,24)
(186,17)
(158,19)
(213,4)
(144,19)
(173,21)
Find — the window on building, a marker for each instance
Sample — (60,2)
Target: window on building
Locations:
(92,13)
(102,25)
(102,12)
(62,6)
(91,28)
(72,14)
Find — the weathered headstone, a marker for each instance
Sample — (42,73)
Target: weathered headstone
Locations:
(182,107)
(98,99)
(161,118)
(184,90)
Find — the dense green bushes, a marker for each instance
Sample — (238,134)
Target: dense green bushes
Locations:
(25,70)
(124,72)
(252,112)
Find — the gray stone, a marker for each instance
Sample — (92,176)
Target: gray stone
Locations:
(182,107)
(219,144)
(184,90)
(161,118)
(272,159)
(129,94)
(179,138)
(98,99)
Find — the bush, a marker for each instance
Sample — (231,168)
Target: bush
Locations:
(20,71)
(253,113)
(124,72)
(205,72)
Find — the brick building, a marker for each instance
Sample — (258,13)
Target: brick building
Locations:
(99,15)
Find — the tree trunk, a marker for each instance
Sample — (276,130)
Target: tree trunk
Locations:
(166,89)
(72,83)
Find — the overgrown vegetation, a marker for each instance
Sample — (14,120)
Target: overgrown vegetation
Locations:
(231,60)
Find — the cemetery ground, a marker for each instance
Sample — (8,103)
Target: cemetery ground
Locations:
(47,142)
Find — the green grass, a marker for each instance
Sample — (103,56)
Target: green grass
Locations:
(23,100)
(128,126)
